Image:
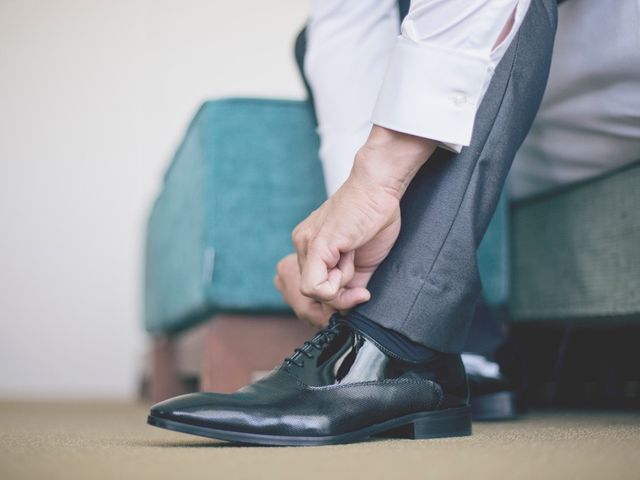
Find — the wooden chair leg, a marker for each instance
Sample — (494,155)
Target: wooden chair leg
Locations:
(165,381)
(240,348)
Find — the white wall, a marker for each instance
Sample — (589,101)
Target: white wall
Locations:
(94,96)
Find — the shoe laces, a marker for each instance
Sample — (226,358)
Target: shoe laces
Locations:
(318,342)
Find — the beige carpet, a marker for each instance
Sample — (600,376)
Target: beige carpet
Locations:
(111,441)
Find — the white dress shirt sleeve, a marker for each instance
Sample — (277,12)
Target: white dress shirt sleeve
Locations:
(349,43)
(437,70)
(441,66)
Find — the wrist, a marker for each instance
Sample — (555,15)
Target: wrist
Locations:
(390,159)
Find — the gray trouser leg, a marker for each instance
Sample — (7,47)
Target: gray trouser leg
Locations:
(428,285)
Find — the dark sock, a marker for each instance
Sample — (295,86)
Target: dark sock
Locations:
(394,342)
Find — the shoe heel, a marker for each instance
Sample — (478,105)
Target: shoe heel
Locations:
(495,406)
(452,422)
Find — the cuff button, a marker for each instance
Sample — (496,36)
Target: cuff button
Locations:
(460,100)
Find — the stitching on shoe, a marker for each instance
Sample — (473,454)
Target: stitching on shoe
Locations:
(387,382)
(432,386)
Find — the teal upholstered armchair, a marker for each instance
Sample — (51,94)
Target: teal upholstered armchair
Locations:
(246,173)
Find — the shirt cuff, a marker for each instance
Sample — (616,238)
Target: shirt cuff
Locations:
(431,92)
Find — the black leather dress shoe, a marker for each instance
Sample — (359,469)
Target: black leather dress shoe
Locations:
(340,387)
(502,396)
(495,399)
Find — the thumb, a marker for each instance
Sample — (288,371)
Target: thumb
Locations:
(346,265)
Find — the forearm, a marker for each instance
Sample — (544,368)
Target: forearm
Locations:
(390,159)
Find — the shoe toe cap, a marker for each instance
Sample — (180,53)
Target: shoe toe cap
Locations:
(192,405)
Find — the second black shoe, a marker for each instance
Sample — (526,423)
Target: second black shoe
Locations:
(340,387)
(497,388)
(494,399)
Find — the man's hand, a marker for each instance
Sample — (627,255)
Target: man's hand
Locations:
(287,281)
(359,216)
(341,244)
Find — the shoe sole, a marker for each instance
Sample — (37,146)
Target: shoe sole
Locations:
(495,406)
(452,422)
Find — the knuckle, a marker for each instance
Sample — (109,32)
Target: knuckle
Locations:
(307,291)
(297,234)
(298,243)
